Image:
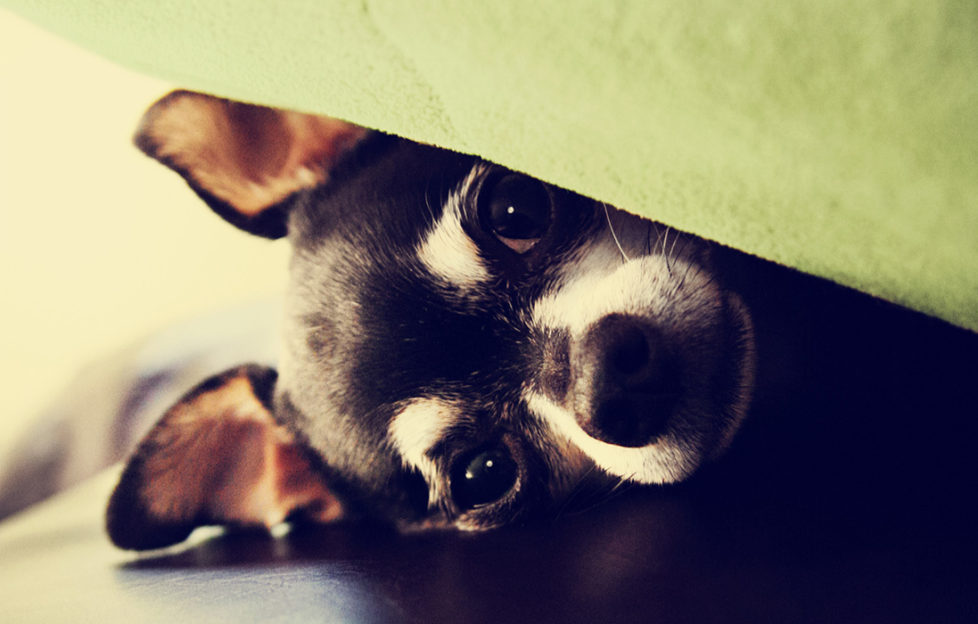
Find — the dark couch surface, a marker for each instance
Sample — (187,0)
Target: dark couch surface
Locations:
(643,557)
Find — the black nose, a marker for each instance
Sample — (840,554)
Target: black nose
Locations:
(634,380)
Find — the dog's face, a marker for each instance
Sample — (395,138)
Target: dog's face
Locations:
(464,345)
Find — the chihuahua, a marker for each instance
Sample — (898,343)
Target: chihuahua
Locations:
(465,346)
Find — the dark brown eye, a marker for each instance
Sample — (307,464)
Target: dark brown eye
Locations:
(516,209)
(482,477)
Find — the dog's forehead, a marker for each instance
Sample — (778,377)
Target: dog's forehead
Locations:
(381,197)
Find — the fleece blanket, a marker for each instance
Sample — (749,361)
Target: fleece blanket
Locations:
(839,137)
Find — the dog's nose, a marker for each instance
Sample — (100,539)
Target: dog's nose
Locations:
(635,380)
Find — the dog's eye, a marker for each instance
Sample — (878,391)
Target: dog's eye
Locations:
(482,477)
(516,209)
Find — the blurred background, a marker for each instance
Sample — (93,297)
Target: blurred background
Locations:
(99,246)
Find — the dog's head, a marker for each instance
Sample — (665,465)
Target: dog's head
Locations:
(464,346)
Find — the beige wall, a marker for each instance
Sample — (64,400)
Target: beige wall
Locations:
(98,244)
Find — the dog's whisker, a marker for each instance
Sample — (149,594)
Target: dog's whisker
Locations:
(602,496)
(576,491)
(611,228)
(427,203)
(665,254)
(673,248)
(682,250)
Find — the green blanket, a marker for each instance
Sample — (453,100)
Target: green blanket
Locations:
(837,137)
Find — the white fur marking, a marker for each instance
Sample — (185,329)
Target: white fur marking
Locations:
(641,287)
(447,251)
(661,462)
(415,429)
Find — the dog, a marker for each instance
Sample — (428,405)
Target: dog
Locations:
(464,346)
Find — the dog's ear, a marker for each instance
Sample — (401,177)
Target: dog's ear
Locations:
(244,160)
(217,457)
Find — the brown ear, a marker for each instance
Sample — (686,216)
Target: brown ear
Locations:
(244,160)
(216,457)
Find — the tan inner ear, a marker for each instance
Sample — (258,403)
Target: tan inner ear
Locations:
(221,455)
(251,157)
